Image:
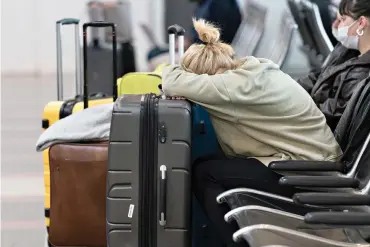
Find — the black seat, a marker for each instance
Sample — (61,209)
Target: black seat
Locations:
(299,18)
(321,38)
(310,47)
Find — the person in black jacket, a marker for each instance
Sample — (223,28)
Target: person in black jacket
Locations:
(349,63)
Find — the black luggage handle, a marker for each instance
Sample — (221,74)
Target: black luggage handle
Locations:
(100,24)
(114,38)
(162,195)
(176,29)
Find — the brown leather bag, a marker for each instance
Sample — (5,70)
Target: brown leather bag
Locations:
(77,191)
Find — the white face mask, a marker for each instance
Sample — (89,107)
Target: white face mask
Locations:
(334,31)
(351,42)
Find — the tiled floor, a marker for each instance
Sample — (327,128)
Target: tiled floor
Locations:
(22,191)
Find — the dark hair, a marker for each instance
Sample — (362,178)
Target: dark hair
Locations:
(355,8)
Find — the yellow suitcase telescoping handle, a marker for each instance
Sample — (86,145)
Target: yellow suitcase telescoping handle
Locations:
(85,58)
(59,24)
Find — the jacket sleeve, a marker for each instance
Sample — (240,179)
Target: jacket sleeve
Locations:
(339,55)
(206,89)
(309,81)
(333,108)
(351,80)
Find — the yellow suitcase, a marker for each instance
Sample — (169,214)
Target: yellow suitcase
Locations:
(141,82)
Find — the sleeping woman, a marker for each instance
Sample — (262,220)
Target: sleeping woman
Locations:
(259,113)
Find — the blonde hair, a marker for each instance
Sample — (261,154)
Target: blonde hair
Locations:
(213,56)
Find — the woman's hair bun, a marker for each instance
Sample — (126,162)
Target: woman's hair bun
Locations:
(207,32)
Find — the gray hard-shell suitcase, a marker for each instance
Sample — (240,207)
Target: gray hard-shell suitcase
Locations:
(149,177)
(149,170)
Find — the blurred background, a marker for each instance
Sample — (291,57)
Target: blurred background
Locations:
(31,29)
(29,79)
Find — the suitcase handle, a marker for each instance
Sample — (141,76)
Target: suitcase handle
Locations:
(99,24)
(163,195)
(172,32)
(68,21)
(114,38)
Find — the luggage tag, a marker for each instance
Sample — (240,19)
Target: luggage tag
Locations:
(161,93)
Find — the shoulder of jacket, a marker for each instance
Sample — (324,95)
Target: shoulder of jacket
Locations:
(363,69)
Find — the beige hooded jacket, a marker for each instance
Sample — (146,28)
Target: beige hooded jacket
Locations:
(258,111)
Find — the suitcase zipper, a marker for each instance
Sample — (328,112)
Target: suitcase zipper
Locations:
(148,171)
(154,171)
(142,238)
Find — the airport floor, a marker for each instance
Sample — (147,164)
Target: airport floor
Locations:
(22,189)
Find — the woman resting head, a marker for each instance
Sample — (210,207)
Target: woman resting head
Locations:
(256,109)
(213,56)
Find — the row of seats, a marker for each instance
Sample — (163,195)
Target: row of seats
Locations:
(251,31)
(317,44)
(333,210)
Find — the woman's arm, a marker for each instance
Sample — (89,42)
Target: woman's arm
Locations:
(309,81)
(206,89)
(333,108)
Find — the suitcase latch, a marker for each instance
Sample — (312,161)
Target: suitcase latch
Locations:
(162,133)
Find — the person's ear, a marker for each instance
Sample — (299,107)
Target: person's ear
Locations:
(363,23)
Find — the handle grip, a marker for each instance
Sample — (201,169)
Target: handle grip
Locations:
(172,32)
(68,21)
(176,29)
(85,45)
(162,195)
(99,24)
